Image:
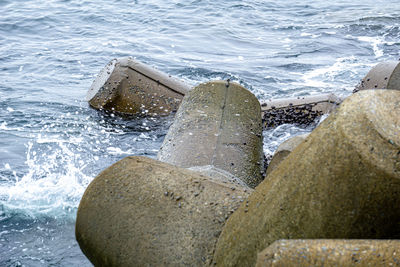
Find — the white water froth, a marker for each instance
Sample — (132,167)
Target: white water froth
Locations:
(4,126)
(375,43)
(341,73)
(53,185)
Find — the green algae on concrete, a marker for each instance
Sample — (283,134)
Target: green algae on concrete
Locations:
(343,182)
(218,124)
(331,252)
(143,212)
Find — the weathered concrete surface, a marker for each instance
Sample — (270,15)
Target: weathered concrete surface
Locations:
(142,212)
(284,150)
(385,75)
(125,85)
(343,181)
(218,124)
(331,252)
(302,110)
(128,86)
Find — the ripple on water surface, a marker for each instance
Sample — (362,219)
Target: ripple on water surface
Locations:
(52,144)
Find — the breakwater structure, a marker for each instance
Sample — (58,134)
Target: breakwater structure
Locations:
(127,86)
(206,200)
(165,213)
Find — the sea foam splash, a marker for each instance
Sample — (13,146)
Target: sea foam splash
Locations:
(53,185)
(63,155)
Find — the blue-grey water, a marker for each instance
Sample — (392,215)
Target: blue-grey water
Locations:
(52,144)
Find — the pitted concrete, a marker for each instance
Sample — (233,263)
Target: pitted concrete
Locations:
(343,181)
(218,124)
(128,86)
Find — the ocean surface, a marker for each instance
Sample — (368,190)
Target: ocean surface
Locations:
(52,144)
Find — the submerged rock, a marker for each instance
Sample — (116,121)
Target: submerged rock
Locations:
(128,86)
(343,181)
(331,252)
(142,212)
(218,125)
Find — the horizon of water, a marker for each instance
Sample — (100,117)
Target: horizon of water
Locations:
(52,144)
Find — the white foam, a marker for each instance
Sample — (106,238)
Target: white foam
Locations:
(328,77)
(119,151)
(53,184)
(278,135)
(286,40)
(3,126)
(375,42)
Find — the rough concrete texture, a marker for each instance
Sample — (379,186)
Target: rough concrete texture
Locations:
(331,252)
(218,124)
(128,86)
(218,175)
(323,102)
(343,181)
(142,212)
(301,110)
(385,75)
(284,150)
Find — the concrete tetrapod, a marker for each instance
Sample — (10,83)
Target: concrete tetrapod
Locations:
(143,212)
(301,110)
(218,124)
(385,75)
(284,150)
(331,252)
(343,181)
(127,86)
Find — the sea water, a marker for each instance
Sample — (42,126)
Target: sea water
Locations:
(52,144)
